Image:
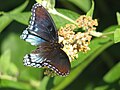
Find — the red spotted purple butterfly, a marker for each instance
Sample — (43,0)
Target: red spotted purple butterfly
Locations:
(42,33)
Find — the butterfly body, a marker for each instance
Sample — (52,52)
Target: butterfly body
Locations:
(42,33)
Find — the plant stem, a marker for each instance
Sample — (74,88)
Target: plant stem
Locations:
(7,77)
(53,11)
(65,17)
(99,34)
(108,33)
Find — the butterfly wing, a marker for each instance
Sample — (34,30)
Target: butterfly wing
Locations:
(47,56)
(42,32)
(41,28)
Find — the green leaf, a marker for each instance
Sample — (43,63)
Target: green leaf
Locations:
(44,83)
(83,4)
(104,87)
(111,29)
(20,17)
(118,18)
(7,67)
(91,11)
(15,85)
(20,8)
(5,61)
(117,35)
(113,75)
(67,13)
(5,20)
(13,70)
(31,73)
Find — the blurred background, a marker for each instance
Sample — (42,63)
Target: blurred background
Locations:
(14,48)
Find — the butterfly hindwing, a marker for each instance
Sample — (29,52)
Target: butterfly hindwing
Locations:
(47,56)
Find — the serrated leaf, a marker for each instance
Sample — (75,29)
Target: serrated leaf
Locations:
(90,12)
(5,61)
(118,18)
(117,35)
(113,75)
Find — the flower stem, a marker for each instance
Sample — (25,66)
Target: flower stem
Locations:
(65,17)
(108,33)
(99,34)
(55,12)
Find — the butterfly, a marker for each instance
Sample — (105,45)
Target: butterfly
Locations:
(42,33)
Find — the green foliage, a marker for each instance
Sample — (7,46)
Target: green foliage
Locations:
(90,12)
(117,31)
(23,17)
(117,35)
(82,4)
(110,79)
(5,60)
(5,20)
(14,75)
(113,72)
(118,18)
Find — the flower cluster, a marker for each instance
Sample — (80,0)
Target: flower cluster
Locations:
(87,23)
(75,42)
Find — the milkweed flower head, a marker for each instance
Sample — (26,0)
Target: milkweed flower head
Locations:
(75,42)
(87,23)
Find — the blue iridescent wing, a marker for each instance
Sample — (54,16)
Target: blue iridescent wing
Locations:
(47,56)
(41,28)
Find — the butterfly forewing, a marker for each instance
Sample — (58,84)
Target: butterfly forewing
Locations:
(41,25)
(33,39)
